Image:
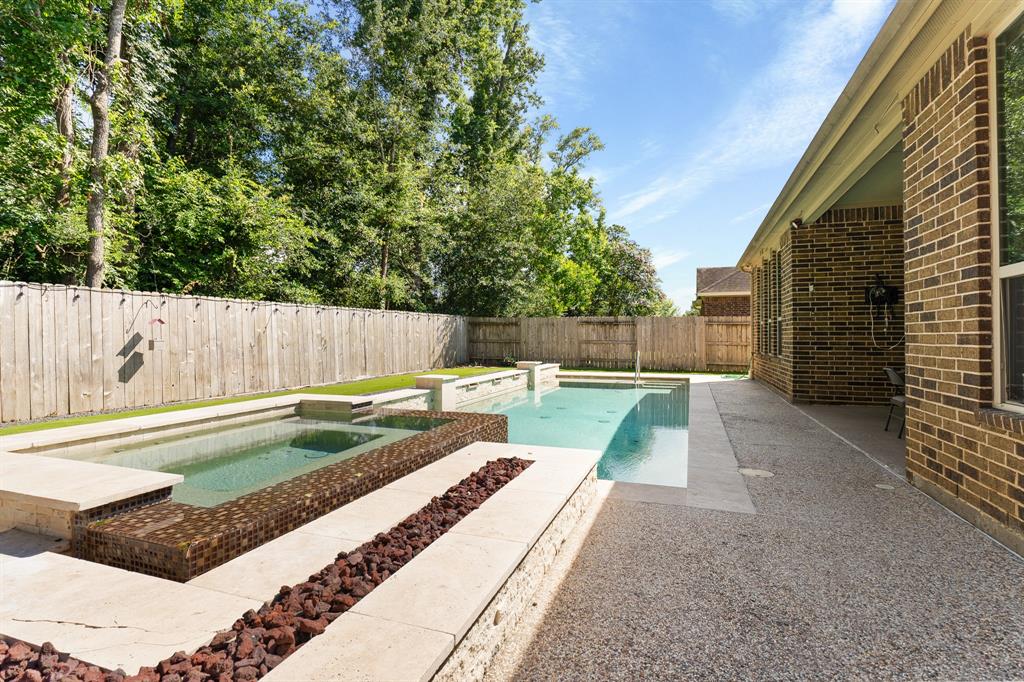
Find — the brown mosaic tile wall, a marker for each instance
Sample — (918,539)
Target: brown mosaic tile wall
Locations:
(775,370)
(179,541)
(835,359)
(959,450)
(725,306)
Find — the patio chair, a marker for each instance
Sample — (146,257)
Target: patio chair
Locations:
(897,400)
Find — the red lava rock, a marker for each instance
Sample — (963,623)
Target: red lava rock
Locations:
(247,673)
(259,640)
(223,638)
(312,627)
(244,648)
(18,652)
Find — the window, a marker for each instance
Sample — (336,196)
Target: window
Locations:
(1008,269)
(762,309)
(777,270)
(770,274)
(767,281)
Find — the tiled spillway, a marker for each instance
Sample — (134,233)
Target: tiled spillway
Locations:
(407,628)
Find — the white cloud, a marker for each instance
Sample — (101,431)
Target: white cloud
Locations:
(756,213)
(741,11)
(664,258)
(781,107)
(571,48)
(682,297)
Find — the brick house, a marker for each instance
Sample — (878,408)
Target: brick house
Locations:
(723,291)
(898,240)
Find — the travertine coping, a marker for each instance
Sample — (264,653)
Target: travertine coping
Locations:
(73,486)
(442,390)
(620,376)
(52,484)
(65,484)
(105,615)
(407,627)
(489,378)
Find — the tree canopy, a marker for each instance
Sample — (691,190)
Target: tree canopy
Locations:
(374,153)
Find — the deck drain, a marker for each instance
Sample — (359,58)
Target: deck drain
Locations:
(755,473)
(885,486)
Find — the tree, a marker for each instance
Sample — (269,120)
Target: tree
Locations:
(354,152)
(103,88)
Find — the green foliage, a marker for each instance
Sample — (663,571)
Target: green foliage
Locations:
(353,152)
(1012,143)
(223,236)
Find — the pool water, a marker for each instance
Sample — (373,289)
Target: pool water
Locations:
(642,431)
(221,464)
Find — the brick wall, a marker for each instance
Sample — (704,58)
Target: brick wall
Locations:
(959,450)
(775,370)
(836,357)
(725,306)
(827,353)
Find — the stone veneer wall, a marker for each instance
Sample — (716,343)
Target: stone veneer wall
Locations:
(474,653)
(725,306)
(774,370)
(959,450)
(835,359)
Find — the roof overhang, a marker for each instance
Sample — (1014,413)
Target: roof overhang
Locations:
(865,122)
(712,294)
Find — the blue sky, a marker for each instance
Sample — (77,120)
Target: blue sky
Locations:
(704,106)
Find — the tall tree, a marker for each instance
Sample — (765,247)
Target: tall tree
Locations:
(388,153)
(103,87)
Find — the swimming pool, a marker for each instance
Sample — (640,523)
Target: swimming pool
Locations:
(221,464)
(641,431)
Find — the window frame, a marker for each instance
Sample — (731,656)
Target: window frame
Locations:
(770,289)
(1000,272)
(778,303)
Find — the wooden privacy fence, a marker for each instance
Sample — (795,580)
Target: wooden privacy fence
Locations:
(73,349)
(665,343)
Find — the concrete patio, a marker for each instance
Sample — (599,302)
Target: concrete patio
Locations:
(844,571)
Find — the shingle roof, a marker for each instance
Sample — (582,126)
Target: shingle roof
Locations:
(727,280)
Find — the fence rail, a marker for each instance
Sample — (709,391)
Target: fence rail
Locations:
(65,350)
(664,343)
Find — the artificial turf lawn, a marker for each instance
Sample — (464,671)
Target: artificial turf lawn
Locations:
(375,385)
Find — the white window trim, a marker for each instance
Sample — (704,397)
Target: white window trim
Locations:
(999,272)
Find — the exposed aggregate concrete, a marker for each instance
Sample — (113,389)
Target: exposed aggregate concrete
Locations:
(832,578)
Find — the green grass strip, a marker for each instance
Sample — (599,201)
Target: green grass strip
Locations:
(363,387)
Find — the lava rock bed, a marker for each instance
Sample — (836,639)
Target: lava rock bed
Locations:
(259,640)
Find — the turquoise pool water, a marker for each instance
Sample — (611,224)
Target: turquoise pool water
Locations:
(220,464)
(641,431)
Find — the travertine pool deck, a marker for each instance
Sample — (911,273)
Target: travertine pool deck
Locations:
(115,618)
(107,616)
(831,578)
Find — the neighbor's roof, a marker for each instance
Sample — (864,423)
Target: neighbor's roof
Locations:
(727,280)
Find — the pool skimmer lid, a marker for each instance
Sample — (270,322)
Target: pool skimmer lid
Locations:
(755,473)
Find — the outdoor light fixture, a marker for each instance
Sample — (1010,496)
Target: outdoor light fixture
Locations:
(796,223)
